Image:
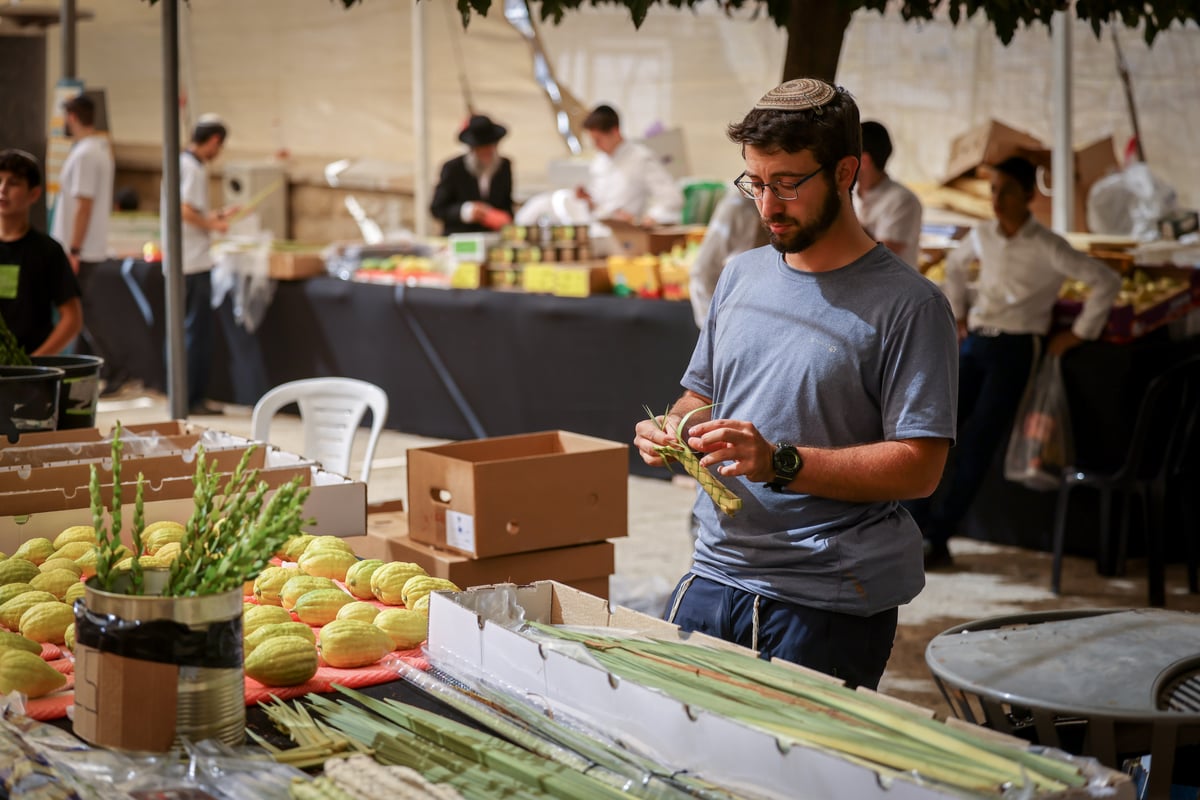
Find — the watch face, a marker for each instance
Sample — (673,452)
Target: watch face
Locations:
(787,459)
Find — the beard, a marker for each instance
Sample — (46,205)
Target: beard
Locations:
(805,235)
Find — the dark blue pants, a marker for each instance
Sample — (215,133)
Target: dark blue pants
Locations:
(198,334)
(854,649)
(992,374)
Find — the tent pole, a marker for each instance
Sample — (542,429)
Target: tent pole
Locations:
(68,39)
(1062,157)
(173,221)
(420,124)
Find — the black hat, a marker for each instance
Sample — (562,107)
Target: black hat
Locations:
(481,131)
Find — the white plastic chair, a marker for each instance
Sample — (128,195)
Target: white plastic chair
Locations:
(331,410)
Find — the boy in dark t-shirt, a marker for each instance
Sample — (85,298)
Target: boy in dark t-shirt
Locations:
(35,275)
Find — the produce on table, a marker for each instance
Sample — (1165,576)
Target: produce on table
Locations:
(282,661)
(349,643)
(360,610)
(265,632)
(75,533)
(321,606)
(27,673)
(37,549)
(387,582)
(327,562)
(298,585)
(269,583)
(407,628)
(421,585)
(255,617)
(46,621)
(358,578)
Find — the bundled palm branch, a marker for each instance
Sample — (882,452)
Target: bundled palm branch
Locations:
(230,538)
(797,707)
(678,450)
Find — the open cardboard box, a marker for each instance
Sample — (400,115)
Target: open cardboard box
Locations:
(585,567)
(514,494)
(635,240)
(465,636)
(43,500)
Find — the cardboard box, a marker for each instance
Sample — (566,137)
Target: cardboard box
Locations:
(581,280)
(42,500)
(634,240)
(513,494)
(464,636)
(994,141)
(287,266)
(586,567)
(989,143)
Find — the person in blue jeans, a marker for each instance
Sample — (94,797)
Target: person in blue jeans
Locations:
(1022,266)
(830,368)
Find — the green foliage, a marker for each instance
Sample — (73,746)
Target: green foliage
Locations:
(11,352)
(1005,18)
(1154,16)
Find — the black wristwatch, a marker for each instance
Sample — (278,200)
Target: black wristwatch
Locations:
(787,464)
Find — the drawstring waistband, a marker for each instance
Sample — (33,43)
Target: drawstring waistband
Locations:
(683,587)
(754,632)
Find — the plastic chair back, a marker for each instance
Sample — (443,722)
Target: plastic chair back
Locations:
(1165,423)
(330,410)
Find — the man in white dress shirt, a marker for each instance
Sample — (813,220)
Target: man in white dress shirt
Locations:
(627,181)
(1022,266)
(888,211)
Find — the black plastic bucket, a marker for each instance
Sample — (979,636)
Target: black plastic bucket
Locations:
(28,399)
(80,390)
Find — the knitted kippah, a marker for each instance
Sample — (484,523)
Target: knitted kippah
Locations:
(797,95)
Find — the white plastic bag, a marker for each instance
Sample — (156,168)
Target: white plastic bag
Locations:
(1041,446)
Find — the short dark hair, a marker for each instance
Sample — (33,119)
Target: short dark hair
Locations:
(831,131)
(1020,170)
(23,165)
(206,130)
(127,199)
(876,143)
(83,108)
(602,118)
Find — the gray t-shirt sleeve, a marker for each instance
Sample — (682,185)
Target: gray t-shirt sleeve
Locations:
(920,374)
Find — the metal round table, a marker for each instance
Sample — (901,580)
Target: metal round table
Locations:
(1111,684)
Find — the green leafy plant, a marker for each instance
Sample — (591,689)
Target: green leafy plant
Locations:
(11,352)
(230,537)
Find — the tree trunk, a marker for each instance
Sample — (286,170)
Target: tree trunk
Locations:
(815,31)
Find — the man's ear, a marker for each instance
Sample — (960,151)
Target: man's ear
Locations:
(846,171)
(34,194)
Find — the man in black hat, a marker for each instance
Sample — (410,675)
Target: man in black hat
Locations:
(474,193)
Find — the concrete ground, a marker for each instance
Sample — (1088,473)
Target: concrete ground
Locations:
(988,580)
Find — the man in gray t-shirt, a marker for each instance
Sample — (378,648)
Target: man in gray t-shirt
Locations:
(833,369)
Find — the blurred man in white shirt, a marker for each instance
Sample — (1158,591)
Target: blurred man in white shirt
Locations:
(1022,266)
(80,221)
(627,181)
(888,211)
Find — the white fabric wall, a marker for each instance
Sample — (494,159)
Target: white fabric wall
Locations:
(326,83)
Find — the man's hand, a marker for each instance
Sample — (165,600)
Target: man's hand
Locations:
(648,436)
(74,261)
(479,211)
(962,330)
(737,443)
(1062,342)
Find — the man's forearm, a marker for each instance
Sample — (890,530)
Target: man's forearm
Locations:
(689,402)
(79,227)
(895,470)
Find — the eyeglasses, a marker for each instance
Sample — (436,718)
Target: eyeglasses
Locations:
(784,190)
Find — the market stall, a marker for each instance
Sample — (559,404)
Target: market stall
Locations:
(462,364)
